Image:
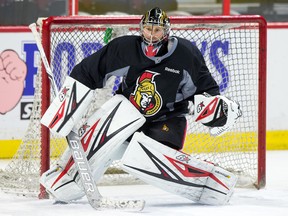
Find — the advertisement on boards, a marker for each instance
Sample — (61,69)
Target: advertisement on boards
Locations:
(18,67)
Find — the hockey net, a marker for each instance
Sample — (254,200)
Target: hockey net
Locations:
(235,52)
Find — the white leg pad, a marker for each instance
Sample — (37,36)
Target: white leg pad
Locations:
(65,189)
(218,177)
(102,137)
(177,172)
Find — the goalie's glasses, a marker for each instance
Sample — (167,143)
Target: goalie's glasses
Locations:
(155,19)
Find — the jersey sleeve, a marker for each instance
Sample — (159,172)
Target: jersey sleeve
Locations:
(94,70)
(203,79)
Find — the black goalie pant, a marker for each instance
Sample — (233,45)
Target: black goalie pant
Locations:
(170,132)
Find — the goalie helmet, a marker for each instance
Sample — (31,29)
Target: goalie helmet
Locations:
(152,18)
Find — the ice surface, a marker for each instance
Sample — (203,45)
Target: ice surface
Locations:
(271,201)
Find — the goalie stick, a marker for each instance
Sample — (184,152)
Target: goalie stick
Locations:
(92,193)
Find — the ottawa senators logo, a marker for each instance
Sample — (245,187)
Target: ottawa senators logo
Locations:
(145,97)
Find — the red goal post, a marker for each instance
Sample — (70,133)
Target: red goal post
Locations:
(234,48)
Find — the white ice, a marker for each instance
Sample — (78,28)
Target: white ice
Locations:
(271,201)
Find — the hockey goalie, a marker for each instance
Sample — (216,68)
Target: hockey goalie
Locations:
(164,79)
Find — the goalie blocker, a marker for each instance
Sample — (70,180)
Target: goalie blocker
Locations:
(67,107)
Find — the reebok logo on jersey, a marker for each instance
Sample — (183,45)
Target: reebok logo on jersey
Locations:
(172,70)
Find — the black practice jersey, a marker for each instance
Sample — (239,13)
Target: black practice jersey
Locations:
(160,86)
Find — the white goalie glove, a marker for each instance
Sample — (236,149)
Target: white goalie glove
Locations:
(216,112)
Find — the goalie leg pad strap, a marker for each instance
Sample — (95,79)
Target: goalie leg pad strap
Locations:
(102,137)
(67,107)
(177,172)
